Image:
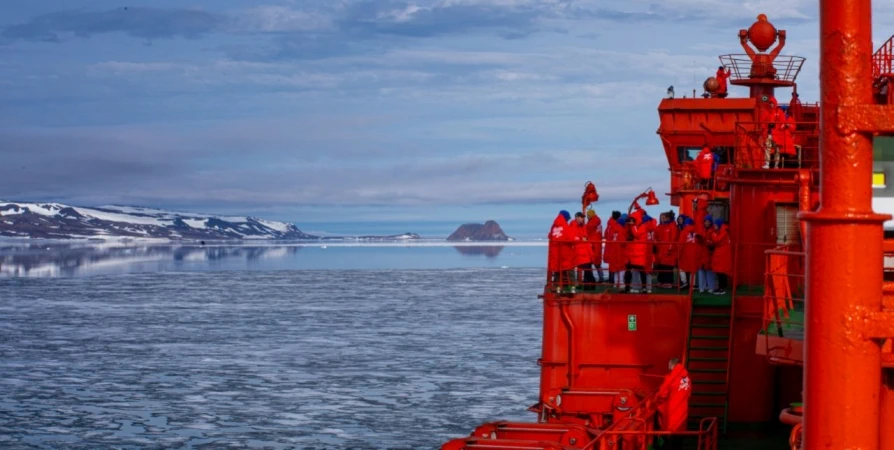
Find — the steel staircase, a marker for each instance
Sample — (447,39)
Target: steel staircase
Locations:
(707,358)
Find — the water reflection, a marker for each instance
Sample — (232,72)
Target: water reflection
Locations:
(490,251)
(69,259)
(66,259)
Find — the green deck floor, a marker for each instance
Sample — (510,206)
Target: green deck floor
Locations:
(792,327)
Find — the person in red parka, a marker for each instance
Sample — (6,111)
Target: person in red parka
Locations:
(704,168)
(722,258)
(666,235)
(637,237)
(794,106)
(583,251)
(770,117)
(561,256)
(722,74)
(706,281)
(650,225)
(690,255)
(786,144)
(594,236)
(673,395)
(614,256)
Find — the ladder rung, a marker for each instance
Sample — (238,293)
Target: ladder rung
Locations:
(710,315)
(709,349)
(707,370)
(716,338)
(709,325)
(709,359)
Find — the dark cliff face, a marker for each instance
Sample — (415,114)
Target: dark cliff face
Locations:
(488,231)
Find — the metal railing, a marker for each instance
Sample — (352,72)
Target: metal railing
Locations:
(783,68)
(574,279)
(638,431)
(756,149)
(784,296)
(882,60)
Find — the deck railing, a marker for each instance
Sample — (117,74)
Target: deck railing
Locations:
(638,430)
(882,60)
(784,68)
(659,278)
(784,298)
(753,151)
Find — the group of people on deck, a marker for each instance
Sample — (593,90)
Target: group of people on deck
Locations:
(635,245)
(777,134)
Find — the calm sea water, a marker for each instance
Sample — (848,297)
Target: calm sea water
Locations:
(256,347)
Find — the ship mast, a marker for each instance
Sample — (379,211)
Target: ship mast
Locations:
(760,69)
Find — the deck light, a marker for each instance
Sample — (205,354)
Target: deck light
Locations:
(651,200)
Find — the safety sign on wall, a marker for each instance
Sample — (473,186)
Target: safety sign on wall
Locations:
(631,322)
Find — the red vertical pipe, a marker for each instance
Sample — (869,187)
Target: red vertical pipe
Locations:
(844,247)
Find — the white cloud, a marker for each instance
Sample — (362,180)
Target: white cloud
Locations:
(275,18)
(129,67)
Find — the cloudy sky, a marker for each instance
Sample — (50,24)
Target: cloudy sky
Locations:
(317,111)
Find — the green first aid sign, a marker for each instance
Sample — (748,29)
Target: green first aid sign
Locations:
(631,322)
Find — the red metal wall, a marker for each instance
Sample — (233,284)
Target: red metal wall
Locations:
(606,354)
(752,217)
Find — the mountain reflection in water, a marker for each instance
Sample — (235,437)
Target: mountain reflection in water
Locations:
(48,259)
(490,251)
(69,259)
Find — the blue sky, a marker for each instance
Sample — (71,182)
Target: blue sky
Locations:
(390,113)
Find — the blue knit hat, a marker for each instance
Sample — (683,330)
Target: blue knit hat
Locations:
(709,218)
(623,219)
(718,222)
(565,214)
(647,218)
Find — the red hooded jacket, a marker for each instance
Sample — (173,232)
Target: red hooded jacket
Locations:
(594,236)
(637,248)
(785,135)
(650,226)
(561,253)
(722,258)
(674,393)
(583,251)
(704,163)
(690,249)
(615,235)
(721,76)
(666,235)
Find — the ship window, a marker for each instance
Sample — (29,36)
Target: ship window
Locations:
(725,154)
(883,148)
(788,228)
(719,209)
(688,153)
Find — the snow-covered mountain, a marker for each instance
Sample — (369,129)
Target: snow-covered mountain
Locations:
(58,221)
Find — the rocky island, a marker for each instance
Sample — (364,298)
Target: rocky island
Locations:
(488,231)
